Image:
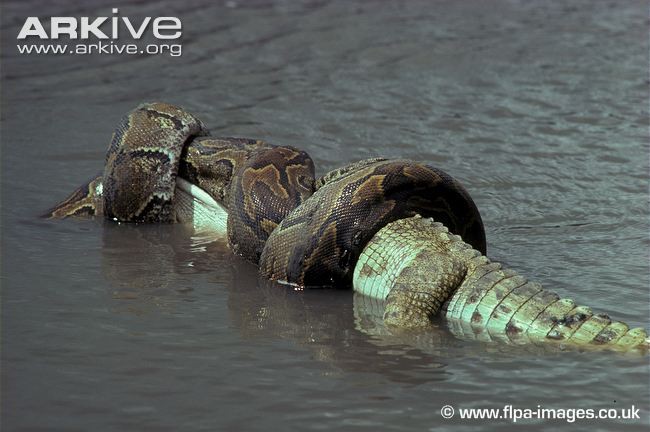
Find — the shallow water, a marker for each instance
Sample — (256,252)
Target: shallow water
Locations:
(539,108)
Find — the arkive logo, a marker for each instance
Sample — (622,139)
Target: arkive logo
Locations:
(100,35)
(101,27)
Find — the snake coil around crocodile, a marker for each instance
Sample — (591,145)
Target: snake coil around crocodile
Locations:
(299,229)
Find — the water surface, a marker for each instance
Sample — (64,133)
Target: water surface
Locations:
(539,108)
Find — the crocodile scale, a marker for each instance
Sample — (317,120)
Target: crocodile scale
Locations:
(396,230)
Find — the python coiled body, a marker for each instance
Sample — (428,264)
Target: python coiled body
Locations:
(301,230)
(267,187)
(397,230)
(350,207)
(142,163)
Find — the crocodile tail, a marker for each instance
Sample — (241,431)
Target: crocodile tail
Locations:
(501,304)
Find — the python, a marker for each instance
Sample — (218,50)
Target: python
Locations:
(83,27)
(397,231)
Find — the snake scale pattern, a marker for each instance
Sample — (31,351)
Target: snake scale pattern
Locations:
(396,230)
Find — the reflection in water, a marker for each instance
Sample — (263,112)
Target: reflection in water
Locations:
(339,327)
(443,336)
(324,321)
(143,262)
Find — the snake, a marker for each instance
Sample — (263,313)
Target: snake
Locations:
(397,230)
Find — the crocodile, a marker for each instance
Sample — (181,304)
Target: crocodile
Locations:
(367,224)
(421,270)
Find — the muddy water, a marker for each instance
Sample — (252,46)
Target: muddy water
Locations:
(539,108)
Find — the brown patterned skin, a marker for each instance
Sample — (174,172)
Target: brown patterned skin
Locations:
(211,162)
(319,243)
(86,200)
(205,161)
(345,170)
(142,161)
(270,184)
(320,234)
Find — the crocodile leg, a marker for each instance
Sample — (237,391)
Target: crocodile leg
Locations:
(392,269)
(413,305)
